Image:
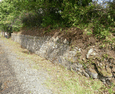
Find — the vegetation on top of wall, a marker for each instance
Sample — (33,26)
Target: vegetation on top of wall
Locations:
(57,13)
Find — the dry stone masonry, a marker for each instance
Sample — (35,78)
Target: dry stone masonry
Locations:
(94,64)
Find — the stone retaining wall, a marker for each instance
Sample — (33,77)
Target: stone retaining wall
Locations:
(51,48)
(58,51)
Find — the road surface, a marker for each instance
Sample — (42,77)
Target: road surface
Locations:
(17,77)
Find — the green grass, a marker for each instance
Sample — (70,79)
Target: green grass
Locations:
(67,82)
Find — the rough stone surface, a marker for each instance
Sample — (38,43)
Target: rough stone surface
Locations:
(59,51)
(92,73)
(85,74)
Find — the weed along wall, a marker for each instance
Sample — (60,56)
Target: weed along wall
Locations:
(58,51)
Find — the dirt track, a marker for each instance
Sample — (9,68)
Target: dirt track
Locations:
(17,77)
(8,82)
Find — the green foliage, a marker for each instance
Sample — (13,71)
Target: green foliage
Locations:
(57,13)
(8,16)
(31,19)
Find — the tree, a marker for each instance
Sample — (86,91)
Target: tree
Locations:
(8,14)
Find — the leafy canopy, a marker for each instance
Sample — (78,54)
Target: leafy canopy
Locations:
(58,13)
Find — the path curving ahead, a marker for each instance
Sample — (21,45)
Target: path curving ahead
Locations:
(17,77)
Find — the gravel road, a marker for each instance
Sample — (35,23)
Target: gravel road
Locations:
(17,77)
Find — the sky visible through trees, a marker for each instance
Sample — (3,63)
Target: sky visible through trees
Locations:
(102,1)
